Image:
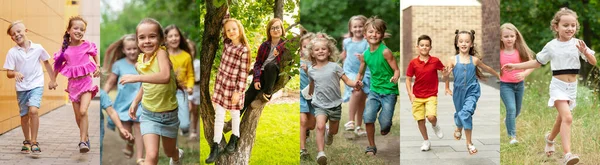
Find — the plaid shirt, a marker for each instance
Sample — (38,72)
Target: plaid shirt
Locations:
(263,54)
(232,75)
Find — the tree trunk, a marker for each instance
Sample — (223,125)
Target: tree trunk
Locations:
(250,119)
(278,9)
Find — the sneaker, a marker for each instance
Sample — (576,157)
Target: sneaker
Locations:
(349,126)
(321,158)
(360,132)
(425,146)
(83,147)
(571,159)
(178,162)
(438,131)
(304,154)
(328,138)
(513,141)
(193,136)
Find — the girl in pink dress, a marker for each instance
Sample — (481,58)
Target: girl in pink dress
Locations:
(73,61)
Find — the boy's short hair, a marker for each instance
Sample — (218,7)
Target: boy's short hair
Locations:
(12,25)
(424,37)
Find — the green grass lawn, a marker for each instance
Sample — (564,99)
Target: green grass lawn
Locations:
(537,118)
(277,136)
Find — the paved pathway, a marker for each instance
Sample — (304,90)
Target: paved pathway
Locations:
(58,138)
(486,132)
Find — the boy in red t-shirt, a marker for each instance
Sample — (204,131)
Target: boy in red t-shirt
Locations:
(423,95)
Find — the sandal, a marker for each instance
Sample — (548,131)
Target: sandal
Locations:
(140,162)
(349,126)
(128,153)
(457,134)
(35,148)
(471,148)
(26,147)
(372,150)
(571,159)
(549,150)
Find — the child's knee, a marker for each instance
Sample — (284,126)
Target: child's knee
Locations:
(321,128)
(567,119)
(151,156)
(432,118)
(33,111)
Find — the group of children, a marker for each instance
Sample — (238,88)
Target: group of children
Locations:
(144,70)
(369,70)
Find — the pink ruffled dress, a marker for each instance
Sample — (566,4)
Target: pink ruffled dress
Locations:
(76,65)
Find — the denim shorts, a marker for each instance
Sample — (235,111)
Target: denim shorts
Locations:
(376,102)
(159,123)
(29,98)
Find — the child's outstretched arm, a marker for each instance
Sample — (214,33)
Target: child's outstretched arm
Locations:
(446,75)
(349,82)
(488,69)
(532,64)
(361,69)
(389,57)
(135,103)
(52,84)
(162,77)
(110,82)
(115,118)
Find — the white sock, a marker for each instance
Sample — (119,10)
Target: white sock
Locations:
(219,123)
(235,122)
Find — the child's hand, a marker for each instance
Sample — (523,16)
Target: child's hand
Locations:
(394,79)
(411,97)
(358,85)
(52,85)
(581,46)
(304,67)
(126,134)
(132,110)
(235,98)
(448,92)
(97,72)
(508,67)
(447,71)
(257,85)
(128,79)
(190,91)
(360,57)
(19,77)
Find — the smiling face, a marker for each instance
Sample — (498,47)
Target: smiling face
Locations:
(276,30)
(18,33)
(508,38)
(232,30)
(373,36)
(76,30)
(566,28)
(173,38)
(320,51)
(357,27)
(148,37)
(424,47)
(130,49)
(464,43)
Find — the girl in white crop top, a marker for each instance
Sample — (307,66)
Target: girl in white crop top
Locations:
(563,53)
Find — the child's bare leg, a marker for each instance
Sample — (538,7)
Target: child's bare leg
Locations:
(303,128)
(370,127)
(555,129)
(321,121)
(25,126)
(423,129)
(35,123)
(151,142)
(565,127)
(193,117)
(170,147)
(468,133)
(77,114)
(359,106)
(432,120)
(333,127)
(83,108)
(139,143)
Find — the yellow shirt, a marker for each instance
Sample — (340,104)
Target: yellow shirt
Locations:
(182,65)
(157,97)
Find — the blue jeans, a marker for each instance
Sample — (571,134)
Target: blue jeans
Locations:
(29,98)
(512,96)
(384,102)
(184,112)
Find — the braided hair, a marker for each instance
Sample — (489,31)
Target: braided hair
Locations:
(60,60)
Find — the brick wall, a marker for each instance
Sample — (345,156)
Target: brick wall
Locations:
(490,10)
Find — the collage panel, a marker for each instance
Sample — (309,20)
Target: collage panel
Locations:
(49,118)
(249,82)
(149,67)
(349,80)
(450,67)
(551,115)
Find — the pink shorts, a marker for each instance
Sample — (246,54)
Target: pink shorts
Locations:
(80,85)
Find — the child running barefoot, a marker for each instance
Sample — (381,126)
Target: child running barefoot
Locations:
(513,49)
(465,68)
(120,60)
(229,85)
(106,104)
(23,64)
(423,95)
(354,47)
(384,82)
(563,53)
(157,94)
(307,111)
(324,76)
(73,62)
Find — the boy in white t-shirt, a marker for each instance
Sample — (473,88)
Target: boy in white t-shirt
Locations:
(23,64)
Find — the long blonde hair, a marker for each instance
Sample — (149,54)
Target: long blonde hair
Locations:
(525,54)
(114,51)
(243,38)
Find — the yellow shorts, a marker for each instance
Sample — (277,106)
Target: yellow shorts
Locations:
(422,107)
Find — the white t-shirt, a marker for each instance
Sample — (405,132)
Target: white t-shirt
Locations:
(196,70)
(28,64)
(562,55)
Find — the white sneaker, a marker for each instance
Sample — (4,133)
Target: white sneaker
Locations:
(513,141)
(178,162)
(321,158)
(571,159)
(425,146)
(438,131)
(349,126)
(360,132)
